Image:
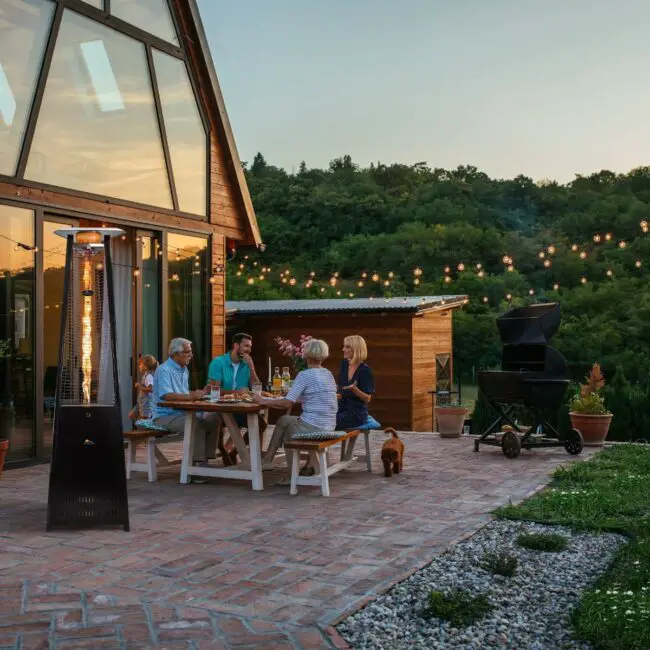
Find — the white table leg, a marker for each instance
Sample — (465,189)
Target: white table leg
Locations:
(255,450)
(235,434)
(188,445)
(324,478)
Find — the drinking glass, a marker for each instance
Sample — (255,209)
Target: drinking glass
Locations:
(257,387)
(215,393)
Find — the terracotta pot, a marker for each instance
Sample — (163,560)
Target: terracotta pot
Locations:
(451,420)
(4,448)
(594,428)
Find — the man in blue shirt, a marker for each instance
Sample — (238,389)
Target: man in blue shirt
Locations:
(171,384)
(234,371)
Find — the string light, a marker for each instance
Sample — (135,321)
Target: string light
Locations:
(481,274)
(610,273)
(597,238)
(479,267)
(292,282)
(485,299)
(644,225)
(583,280)
(251,280)
(556,286)
(262,276)
(608,236)
(364,275)
(238,273)
(375,277)
(386,283)
(391,275)
(541,255)
(360,283)
(285,280)
(417,272)
(637,264)
(447,269)
(622,244)
(574,247)
(416,281)
(547,263)
(333,281)
(531,292)
(508,296)
(447,279)
(461,267)
(312,273)
(551,250)
(212,280)
(136,272)
(336,274)
(583,255)
(511,268)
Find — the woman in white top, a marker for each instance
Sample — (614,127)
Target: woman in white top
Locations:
(315,389)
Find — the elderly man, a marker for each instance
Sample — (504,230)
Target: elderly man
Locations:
(171,384)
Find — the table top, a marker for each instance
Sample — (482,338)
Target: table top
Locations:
(213,407)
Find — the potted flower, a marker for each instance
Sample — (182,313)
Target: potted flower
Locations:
(450,419)
(588,412)
(294,351)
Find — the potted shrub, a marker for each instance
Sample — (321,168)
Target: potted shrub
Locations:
(588,411)
(450,419)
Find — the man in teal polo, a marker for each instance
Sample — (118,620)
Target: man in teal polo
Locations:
(234,371)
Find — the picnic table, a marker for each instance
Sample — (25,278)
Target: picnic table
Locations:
(250,469)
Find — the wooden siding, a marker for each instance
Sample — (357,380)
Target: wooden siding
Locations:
(218,319)
(432,335)
(389,348)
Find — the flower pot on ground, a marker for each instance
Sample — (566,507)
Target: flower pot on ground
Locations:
(4,449)
(588,412)
(451,420)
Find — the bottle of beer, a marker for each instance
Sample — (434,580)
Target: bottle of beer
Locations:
(276,386)
(286,380)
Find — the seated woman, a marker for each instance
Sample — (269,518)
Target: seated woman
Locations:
(315,389)
(355,384)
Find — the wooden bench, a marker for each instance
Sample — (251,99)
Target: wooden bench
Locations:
(317,451)
(154,457)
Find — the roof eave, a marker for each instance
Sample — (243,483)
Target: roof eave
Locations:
(227,128)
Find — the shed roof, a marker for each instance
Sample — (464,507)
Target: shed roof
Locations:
(412,304)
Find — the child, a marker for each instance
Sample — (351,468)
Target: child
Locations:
(144,408)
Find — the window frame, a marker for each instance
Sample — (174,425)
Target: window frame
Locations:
(149,41)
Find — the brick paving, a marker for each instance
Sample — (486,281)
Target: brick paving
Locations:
(219,566)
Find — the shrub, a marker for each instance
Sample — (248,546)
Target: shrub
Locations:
(590,401)
(502,564)
(459,607)
(547,542)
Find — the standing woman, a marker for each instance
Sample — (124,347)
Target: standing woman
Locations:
(356,384)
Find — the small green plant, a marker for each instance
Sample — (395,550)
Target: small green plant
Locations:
(590,401)
(502,564)
(548,542)
(458,607)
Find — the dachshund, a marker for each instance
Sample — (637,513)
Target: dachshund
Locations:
(392,453)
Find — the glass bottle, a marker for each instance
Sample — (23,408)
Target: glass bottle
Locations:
(286,379)
(276,385)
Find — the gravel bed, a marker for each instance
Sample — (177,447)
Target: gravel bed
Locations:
(531,609)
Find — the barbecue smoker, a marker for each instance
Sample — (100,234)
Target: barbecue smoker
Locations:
(533,375)
(87,473)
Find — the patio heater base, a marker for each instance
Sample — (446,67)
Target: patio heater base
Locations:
(87,474)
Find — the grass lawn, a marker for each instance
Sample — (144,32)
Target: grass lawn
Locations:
(610,492)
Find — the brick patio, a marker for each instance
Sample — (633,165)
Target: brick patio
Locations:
(220,566)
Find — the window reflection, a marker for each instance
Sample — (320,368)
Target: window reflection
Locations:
(97,130)
(54,248)
(185,133)
(188,300)
(16,332)
(24,28)
(149,15)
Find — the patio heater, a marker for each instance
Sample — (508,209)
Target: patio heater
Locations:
(87,473)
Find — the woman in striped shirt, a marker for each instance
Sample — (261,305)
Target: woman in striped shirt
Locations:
(315,389)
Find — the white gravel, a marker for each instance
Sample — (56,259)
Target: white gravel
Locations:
(531,610)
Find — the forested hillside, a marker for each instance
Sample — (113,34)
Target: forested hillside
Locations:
(503,242)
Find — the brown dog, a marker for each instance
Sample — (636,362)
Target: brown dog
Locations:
(392,453)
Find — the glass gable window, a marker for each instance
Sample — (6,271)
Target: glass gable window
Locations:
(185,133)
(152,16)
(24,29)
(97,129)
(99,4)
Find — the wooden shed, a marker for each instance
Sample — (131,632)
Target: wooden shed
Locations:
(409,342)
(111,114)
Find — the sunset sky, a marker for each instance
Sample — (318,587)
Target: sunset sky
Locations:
(547,88)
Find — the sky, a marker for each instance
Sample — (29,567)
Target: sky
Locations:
(545,88)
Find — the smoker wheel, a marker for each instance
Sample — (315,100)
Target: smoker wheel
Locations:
(573,442)
(511,445)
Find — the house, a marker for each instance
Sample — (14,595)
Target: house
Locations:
(111,114)
(409,343)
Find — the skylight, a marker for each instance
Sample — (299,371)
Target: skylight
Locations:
(102,77)
(7,99)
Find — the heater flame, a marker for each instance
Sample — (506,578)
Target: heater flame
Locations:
(86,337)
